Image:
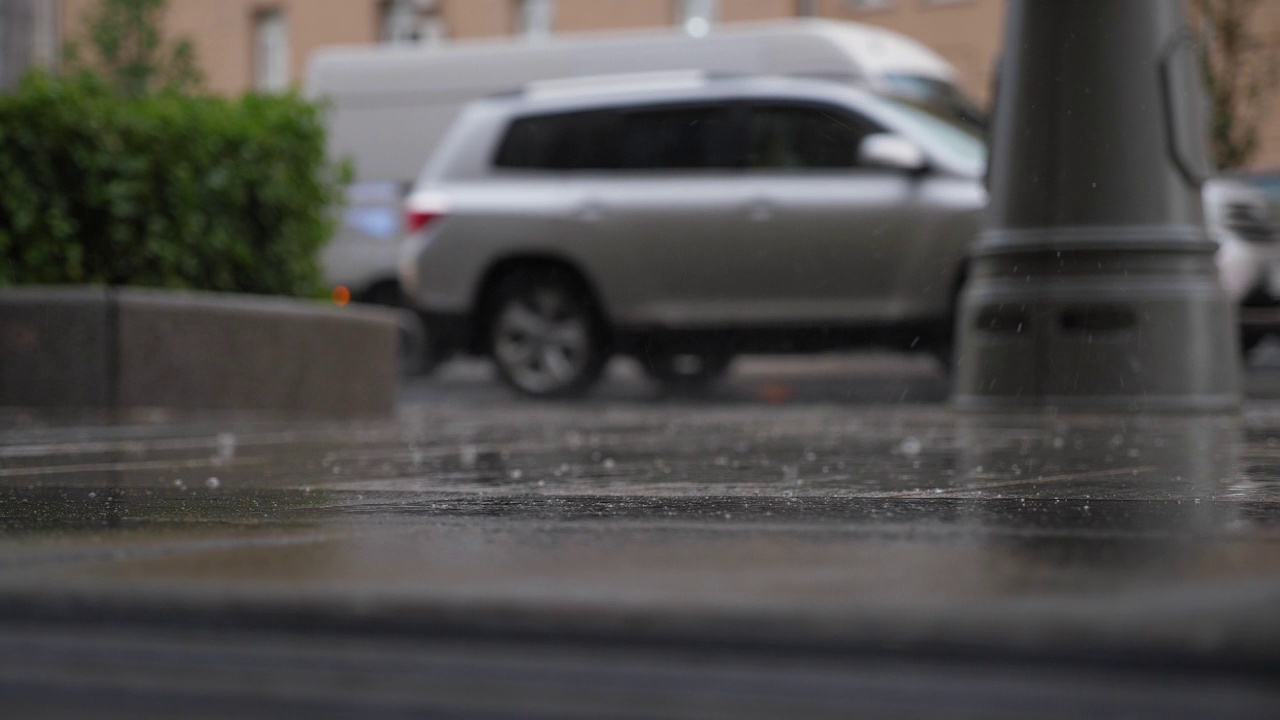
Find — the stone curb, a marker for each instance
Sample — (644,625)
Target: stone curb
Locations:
(77,347)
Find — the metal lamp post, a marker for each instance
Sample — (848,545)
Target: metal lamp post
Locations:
(1094,285)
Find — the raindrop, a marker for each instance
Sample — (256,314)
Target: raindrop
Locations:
(467,455)
(609,464)
(226,444)
(212,483)
(517,474)
(910,447)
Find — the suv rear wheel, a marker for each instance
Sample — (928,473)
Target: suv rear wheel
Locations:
(545,336)
(686,370)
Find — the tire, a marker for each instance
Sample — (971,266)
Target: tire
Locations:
(686,370)
(944,352)
(419,353)
(545,334)
(1250,339)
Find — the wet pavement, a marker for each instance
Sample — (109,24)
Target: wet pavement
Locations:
(806,539)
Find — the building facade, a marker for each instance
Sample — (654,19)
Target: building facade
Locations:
(246,44)
(28,37)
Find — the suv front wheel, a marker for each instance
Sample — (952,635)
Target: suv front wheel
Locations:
(545,336)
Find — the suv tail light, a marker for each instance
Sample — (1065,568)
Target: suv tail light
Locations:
(421,210)
(415,220)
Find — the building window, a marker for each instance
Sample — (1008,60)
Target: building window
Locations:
(271,50)
(410,21)
(46,46)
(696,16)
(536,18)
(807,8)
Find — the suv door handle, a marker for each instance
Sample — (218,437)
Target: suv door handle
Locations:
(590,213)
(760,211)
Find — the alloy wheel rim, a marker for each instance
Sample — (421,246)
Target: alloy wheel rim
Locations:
(542,340)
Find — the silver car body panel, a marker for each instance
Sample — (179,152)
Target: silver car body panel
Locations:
(389,106)
(703,249)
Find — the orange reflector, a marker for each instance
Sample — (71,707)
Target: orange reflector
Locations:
(776,393)
(341,296)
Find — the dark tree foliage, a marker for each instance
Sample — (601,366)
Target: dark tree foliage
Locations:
(126,47)
(116,172)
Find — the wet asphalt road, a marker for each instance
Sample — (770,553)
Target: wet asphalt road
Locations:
(817,537)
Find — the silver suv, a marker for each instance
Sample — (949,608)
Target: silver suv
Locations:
(682,220)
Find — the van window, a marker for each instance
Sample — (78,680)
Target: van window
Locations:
(660,138)
(800,137)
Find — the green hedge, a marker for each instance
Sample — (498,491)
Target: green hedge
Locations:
(165,190)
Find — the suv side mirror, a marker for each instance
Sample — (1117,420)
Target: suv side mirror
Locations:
(885,150)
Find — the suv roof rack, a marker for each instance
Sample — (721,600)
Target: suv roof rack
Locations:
(622,82)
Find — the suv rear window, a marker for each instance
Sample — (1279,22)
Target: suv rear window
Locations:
(566,141)
(687,137)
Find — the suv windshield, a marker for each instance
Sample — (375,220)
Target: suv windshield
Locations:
(938,98)
(940,136)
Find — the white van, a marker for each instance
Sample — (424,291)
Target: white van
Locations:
(389,106)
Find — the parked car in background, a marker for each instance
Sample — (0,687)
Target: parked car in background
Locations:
(1268,182)
(390,106)
(1244,219)
(683,219)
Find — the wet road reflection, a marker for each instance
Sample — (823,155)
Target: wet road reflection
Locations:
(833,512)
(707,520)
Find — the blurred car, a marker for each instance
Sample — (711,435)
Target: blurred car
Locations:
(682,219)
(1268,183)
(1241,217)
(387,107)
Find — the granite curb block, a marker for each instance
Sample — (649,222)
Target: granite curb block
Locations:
(71,348)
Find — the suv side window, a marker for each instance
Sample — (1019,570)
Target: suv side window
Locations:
(804,137)
(680,137)
(561,141)
(691,137)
